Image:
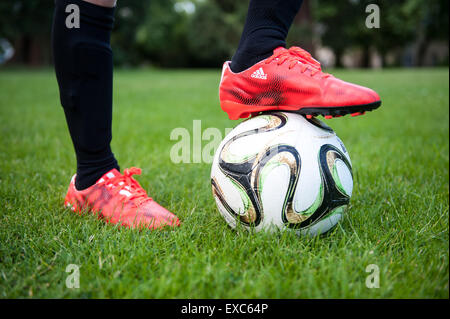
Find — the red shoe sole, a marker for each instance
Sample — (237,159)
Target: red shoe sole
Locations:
(236,111)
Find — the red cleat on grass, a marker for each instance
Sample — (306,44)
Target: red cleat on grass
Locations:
(119,199)
(291,80)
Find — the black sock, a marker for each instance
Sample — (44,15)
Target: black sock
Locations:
(266,28)
(83,65)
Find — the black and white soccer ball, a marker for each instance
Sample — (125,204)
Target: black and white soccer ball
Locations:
(282,171)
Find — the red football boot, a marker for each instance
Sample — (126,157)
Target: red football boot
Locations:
(119,199)
(291,80)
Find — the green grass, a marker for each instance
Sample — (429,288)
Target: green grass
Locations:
(398,218)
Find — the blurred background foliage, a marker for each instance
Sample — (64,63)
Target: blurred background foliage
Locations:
(204,33)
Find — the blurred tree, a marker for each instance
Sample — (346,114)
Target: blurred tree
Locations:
(204,33)
(302,32)
(130,14)
(214,31)
(27,24)
(430,22)
(396,28)
(336,21)
(161,36)
(401,22)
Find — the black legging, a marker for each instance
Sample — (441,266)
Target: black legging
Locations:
(266,28)
(84,70)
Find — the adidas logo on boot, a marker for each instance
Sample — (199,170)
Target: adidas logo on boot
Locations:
(259,74)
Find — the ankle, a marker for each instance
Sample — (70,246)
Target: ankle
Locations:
(89,175)
(248,55)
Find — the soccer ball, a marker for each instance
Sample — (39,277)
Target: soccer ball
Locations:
(282,171)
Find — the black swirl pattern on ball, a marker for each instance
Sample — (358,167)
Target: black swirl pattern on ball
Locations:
(333,197)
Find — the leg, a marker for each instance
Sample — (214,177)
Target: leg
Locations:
(84,70)
(266,28)
(83,65)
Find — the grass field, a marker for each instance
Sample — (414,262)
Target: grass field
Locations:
(398,218)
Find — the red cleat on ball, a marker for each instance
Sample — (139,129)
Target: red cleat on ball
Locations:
(291,80)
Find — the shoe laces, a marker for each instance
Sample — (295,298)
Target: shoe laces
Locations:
(127,186)
(297,56)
